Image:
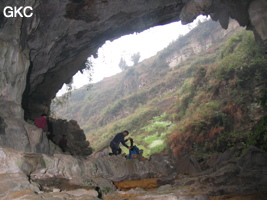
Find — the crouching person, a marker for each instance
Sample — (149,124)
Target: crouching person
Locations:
(115,143)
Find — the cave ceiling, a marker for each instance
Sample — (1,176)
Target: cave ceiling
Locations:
(62,34)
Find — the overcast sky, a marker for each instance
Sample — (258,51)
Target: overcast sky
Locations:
(148,43)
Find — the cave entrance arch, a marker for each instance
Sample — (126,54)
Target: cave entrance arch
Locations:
(78,28)
(138,46)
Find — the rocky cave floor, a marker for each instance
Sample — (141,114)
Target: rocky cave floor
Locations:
(144,189)
(236,174)
(185,188)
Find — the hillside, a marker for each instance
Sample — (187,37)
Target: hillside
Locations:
(203,93)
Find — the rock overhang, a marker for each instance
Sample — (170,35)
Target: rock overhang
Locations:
(60,35)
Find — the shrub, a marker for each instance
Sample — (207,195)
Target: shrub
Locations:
(241,55)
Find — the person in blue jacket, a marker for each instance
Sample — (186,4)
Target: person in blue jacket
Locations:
(115,143)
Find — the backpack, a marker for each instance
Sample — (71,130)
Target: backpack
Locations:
(134,150)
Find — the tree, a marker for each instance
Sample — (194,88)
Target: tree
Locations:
(89,67)
(123,65)
(135,58)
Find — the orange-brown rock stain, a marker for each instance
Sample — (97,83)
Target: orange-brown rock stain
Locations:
(146,184)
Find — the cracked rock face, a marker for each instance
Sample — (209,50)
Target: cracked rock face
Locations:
(41,53)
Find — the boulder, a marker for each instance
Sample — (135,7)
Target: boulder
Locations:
(187,165)
(77,145)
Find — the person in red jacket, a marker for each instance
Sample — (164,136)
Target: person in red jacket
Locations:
(41,122)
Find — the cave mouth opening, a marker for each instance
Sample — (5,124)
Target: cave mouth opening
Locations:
(129,49)
(158,142)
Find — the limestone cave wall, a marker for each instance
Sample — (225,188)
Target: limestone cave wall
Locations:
(41,53)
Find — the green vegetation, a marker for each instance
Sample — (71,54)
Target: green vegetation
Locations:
(211,110)
(258,135)
(208,103)
(240,56)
